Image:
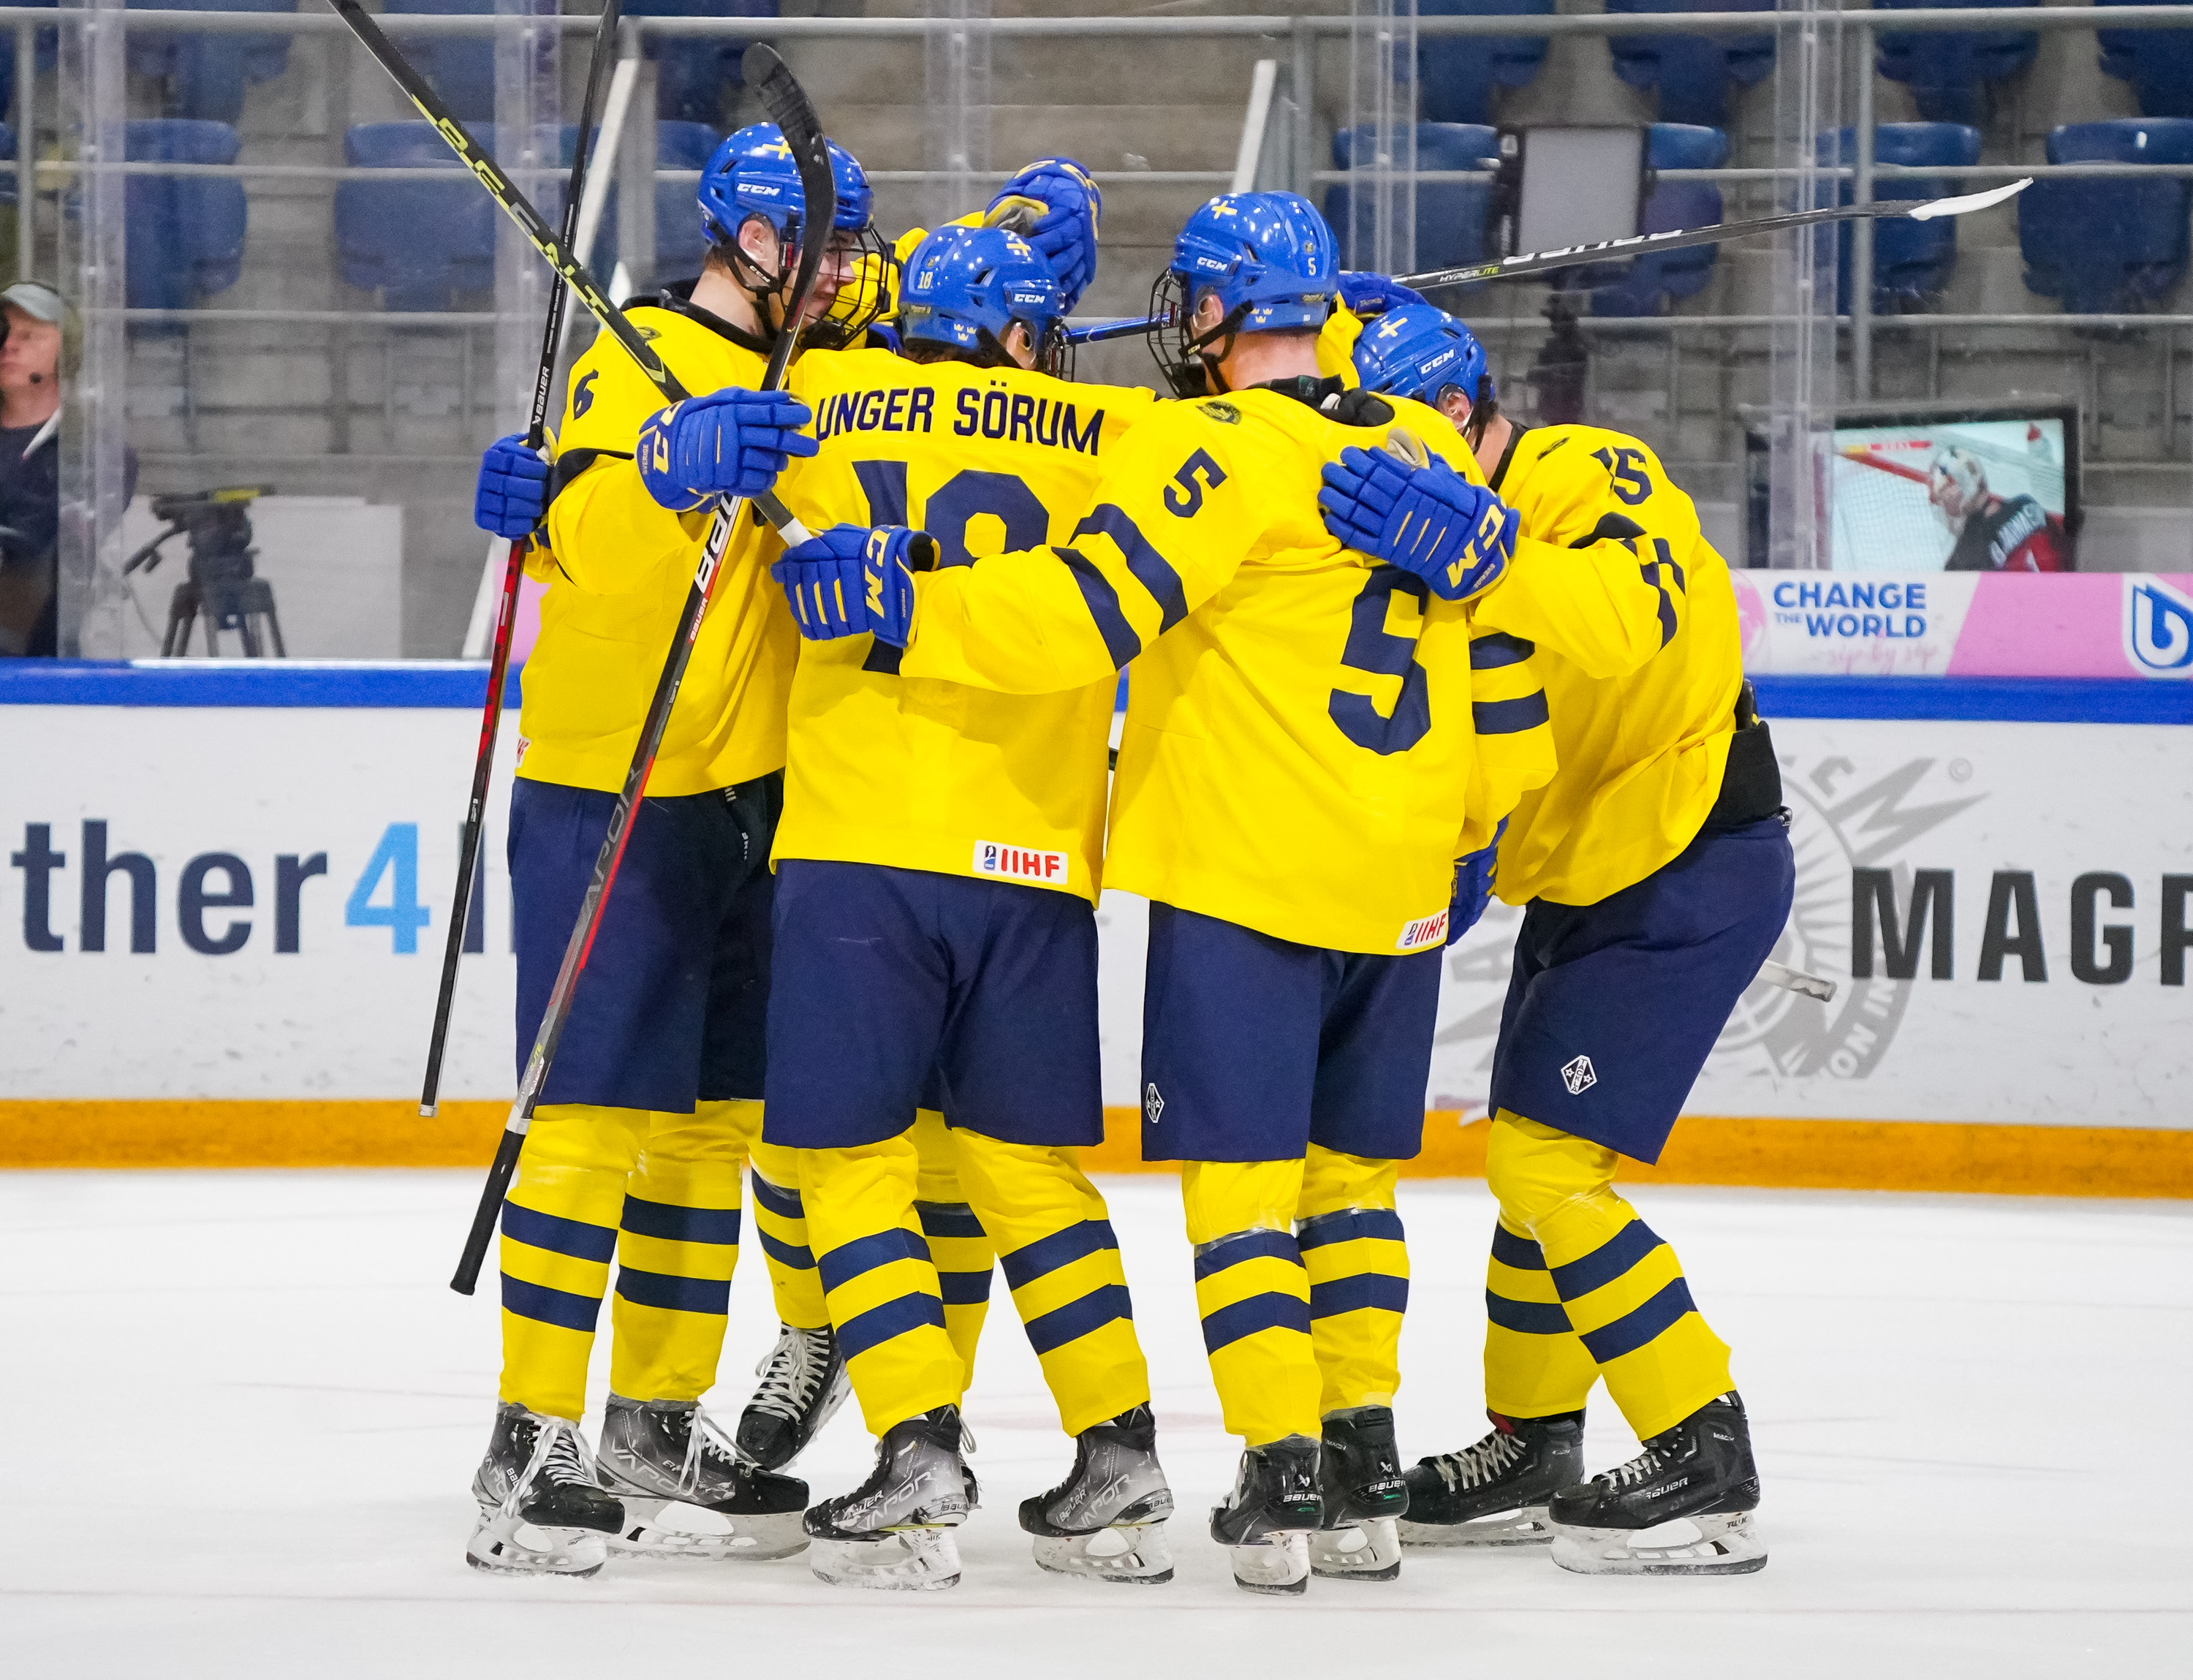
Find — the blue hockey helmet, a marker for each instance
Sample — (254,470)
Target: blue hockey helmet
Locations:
(1269,258)
(752,173)
(966,286)
(1420,351)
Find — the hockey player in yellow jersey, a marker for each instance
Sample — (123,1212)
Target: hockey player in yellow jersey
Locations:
(653,1107)
(1656,873)
(937,867)
(1302,727)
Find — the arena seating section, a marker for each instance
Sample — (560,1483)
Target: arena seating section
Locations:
(294,255)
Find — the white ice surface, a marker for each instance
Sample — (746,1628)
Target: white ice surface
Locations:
(242,1410)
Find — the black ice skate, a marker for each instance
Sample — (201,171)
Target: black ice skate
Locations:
(1699,1475)
(1106,1521)
(803,1381)
(1359,1474)
(685,1491)
(1495,1493)
(894,1531)
(1265,1525)
(541,1510)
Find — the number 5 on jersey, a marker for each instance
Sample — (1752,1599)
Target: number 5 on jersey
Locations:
(1184,495)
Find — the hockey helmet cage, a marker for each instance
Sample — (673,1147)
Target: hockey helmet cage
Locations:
(752,173)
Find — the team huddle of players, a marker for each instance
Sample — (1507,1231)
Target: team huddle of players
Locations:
(1388,651)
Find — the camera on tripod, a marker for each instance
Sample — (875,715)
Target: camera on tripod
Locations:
(222,587)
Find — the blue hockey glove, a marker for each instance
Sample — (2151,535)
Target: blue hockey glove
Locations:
(1429,520)
(1367,294)
(731,442)
(1473,885)
(854,579)
(513,488)
(1066,231)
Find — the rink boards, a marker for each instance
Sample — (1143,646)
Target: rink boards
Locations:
(1998,874)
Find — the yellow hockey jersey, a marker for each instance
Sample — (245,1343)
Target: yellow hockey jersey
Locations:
(619,567)
(1301,725)
(911,771)
(1633,621)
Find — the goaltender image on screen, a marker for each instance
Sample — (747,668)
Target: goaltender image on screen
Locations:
(1952,496)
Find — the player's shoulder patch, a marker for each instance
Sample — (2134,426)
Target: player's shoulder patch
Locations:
(1221,411)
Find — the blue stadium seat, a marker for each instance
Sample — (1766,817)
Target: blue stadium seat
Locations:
(1458,73)
(205,76)
(422,245)
(692,76)
(2109,246)
(1453,218)
(48,52)
(2157,62)
(1693,72)
(419,244)
(186,232)
(1677,203)
(461,68)
(679,246)
(1952,74)
(1911,260)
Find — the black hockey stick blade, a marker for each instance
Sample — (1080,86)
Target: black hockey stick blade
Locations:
(1644,245)
(789,106)
(506,618)
(794,112)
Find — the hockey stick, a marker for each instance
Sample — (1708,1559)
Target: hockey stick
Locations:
(1640,245)
(786,103)
(789,107)
(505,618)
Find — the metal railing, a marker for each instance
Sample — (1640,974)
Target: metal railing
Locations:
(1303,33)
(1867,176)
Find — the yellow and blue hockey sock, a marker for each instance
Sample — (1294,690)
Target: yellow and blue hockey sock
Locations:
(1351,1249)
(1620,1286)
(1253,1296)
(1535,1364)
(780,1224)
(962,1249)
(559,1233)
(1061,1261)
(678,1245)
(878,1279)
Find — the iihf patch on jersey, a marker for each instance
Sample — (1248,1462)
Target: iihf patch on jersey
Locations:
(1017,863)
(1579,1075)
(1152,1103)
(1422,932)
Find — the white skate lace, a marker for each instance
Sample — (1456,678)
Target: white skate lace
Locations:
(706,1448)
(791,1372)
(560,1456)
(1646,1464)
(1479,1465)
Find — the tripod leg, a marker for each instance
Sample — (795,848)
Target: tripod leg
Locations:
(244,622)
(274,623)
